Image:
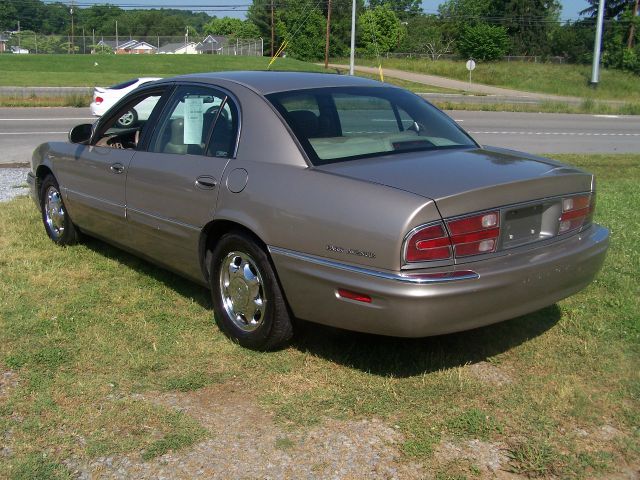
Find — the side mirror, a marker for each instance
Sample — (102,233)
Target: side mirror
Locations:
(81,133)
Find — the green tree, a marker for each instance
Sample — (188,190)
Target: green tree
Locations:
(8,15)
(612,8)
(259,14)
(380,30)
(483,42)
(304,27)
(428,35)
(231,27)
(529,23)
(405,9)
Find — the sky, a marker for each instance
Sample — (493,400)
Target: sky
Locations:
(570,8)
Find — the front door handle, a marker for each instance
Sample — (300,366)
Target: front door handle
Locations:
(117,168)
(206,182)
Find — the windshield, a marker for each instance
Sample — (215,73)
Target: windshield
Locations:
(346,123)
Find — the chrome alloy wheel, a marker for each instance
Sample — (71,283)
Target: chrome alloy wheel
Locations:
(54,212)
(242,290)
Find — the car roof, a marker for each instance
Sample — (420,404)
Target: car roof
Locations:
(266,82)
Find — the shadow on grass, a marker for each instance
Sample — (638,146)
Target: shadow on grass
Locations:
(406,357)
(184,287)
(378,355)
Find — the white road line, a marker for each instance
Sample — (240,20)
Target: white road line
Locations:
(607,116)
(31,133)
(41,119)
(579,134)
(459,121)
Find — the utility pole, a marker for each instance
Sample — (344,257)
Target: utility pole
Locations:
(273,37)
(595,72)
(18,35)
(632,30)
(353,39)
(116,37)
(73,50)
(326,47)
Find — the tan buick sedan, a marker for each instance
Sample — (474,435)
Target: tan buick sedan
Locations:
(328,198)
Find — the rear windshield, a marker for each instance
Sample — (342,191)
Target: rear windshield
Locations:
(346,123)
(120,86)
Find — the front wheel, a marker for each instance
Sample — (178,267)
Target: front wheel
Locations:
(57,223)
(248,304)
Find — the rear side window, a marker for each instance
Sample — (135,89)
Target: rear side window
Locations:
(345,123)
(188,120)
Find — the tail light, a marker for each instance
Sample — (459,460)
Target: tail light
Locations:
(577,211)
(99,100)
(475,235)
(427,244)
(462,237)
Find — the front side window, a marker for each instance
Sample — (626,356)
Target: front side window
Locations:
(123,130)
(186,127)
(345,123)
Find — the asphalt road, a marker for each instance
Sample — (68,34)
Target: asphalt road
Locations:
(22,129)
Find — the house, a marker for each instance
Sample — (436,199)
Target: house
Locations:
(179,48)
(128,47)
(212,44)
(142,48)
(3,43)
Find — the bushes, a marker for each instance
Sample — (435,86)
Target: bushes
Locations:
(483,42)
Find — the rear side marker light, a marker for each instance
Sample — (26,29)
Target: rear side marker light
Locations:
(577,211)
(358,297)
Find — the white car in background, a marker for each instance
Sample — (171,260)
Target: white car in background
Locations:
(106,97)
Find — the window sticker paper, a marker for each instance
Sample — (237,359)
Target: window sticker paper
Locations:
(193,120)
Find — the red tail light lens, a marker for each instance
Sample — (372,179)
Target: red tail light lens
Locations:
(475,235)
(576,212)
(99,100)
(428,244)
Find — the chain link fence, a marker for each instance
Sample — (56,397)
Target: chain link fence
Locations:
(34,43)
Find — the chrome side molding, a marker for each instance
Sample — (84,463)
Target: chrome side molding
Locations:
(414,278)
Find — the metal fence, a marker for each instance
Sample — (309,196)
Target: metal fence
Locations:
(508,58)
(34,43)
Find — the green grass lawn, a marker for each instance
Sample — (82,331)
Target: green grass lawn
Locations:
(85,328)
(568,80)
(80,70)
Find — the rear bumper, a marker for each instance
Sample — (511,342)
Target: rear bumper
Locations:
(503,287)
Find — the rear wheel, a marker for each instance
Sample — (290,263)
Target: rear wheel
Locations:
(55,218)
(248,303)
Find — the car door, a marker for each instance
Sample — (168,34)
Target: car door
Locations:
(94,176)
(172,186)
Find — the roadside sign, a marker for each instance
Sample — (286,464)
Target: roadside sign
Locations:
(471,65)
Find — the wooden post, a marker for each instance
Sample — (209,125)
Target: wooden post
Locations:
(272,30)
(326,48)
(632,30)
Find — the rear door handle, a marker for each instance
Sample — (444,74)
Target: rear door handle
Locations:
(206,182)
(117,168)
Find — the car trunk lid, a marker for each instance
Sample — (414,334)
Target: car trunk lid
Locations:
(462,181)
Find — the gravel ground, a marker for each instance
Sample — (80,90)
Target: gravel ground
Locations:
(13,183)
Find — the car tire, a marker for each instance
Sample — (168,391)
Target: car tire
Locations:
(128,119)
(55,218)
(248,303)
